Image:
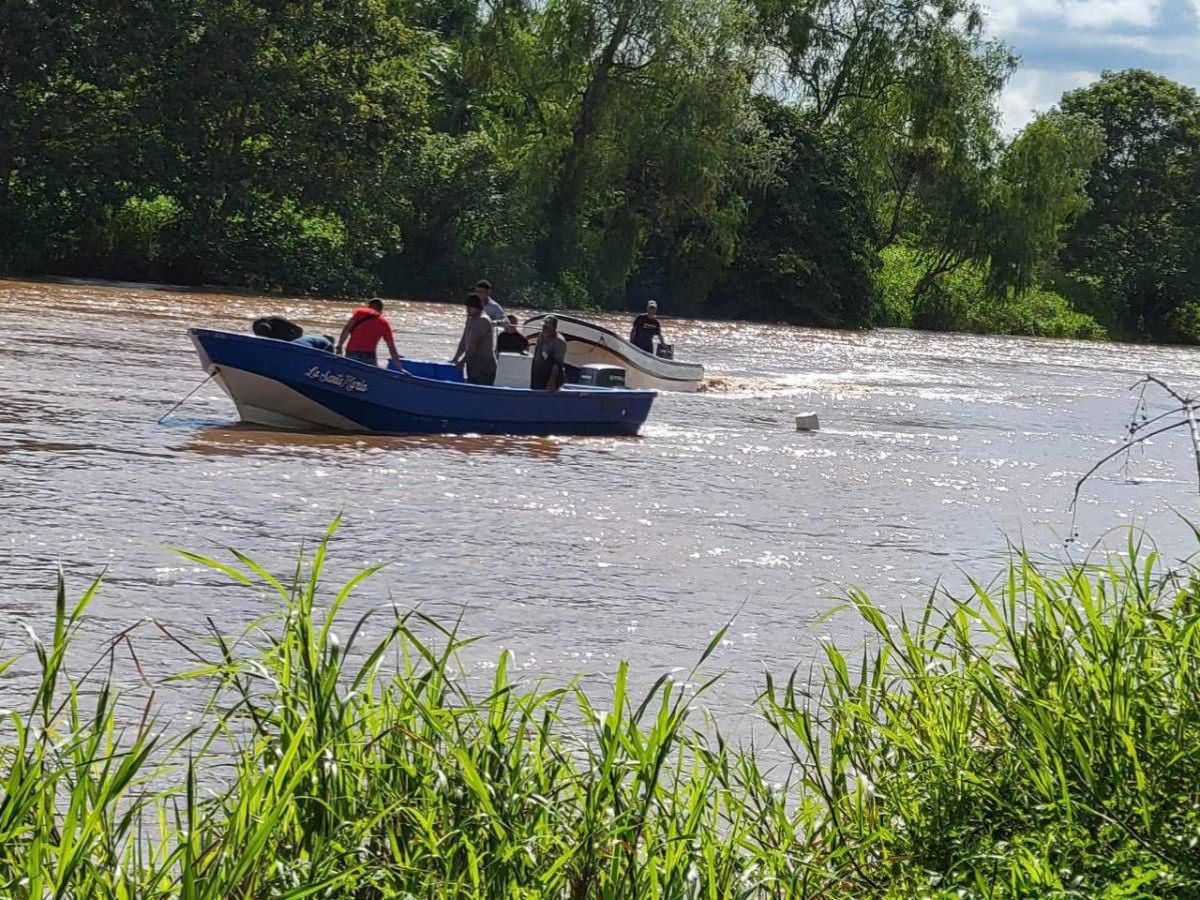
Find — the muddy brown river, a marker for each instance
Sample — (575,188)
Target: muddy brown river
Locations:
(573,553)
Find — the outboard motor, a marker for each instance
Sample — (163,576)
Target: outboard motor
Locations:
(277,327)
(665,351)
(599,375)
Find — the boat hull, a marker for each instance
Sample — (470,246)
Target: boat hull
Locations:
(283,385)
(589,344)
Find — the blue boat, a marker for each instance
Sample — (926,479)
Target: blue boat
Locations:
(284,385)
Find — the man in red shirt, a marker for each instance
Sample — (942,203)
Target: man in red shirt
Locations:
(366,328)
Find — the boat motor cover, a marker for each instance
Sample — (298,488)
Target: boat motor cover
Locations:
(277,327)
(602,375)
(666,351)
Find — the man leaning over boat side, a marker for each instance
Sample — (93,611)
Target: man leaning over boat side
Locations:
(322,342)
(493,310)
(362,333)
(549,358)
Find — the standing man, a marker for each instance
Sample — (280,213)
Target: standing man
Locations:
(477,349)
(491,309)
(365,329)
(647,329)
(549,358)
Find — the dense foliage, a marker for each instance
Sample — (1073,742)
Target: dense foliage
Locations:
(1033,740)
(961,301)
(1141,236)
(727,157)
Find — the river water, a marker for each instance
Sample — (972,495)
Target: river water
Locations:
(935,451)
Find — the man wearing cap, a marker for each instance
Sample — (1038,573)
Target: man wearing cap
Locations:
(477,349)
(549,358)
(491,309)
(647,329)
(510,340)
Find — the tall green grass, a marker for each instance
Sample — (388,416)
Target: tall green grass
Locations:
(1038,738)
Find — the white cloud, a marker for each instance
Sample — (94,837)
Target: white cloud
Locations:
(1066,43)
(1097,14)
(1008,16)
(1031,91)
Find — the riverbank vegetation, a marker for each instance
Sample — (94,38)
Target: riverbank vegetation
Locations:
(755,158)
(1034,739)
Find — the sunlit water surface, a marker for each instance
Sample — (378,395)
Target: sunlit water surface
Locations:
(935,451)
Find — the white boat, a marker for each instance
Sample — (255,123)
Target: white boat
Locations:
(589,344)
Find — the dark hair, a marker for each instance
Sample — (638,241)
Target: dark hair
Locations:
(376,304)
(474,302)
(512,319)
(484,283)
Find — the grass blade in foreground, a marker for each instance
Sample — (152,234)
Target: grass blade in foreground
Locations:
(1035,739)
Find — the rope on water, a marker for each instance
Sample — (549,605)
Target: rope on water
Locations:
(187,398)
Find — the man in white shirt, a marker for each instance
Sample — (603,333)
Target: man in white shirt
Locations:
(491,309)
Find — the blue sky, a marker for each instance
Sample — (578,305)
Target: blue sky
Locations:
(1067,43)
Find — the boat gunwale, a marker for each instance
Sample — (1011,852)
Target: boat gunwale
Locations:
(582,390)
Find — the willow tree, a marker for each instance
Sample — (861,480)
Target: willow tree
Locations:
(653,97)
(1039,192)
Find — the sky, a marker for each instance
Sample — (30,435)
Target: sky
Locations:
(1067,43)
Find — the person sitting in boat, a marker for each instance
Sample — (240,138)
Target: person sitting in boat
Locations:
(477,349)
(491,309)
(647,329)
(549,358)
(364,330)
(316,341)
(510,340)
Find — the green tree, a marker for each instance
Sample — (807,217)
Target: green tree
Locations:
(1007,213)
(652,102)
(461,217)
(844,58)
(68,143)
(913,90)
(1039,191)
(809,247)
(281,114)
(581,151)
(1141,234)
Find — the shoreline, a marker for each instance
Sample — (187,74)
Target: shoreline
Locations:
(216,289)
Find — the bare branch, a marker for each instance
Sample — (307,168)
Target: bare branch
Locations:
(1150,379)
(1141,426)
(1128,445)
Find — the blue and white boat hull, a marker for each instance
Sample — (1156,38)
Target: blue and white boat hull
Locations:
(284,385)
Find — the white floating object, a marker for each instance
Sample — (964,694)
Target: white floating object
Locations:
(807,422)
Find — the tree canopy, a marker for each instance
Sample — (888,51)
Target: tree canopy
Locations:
(731,157)
(1141,235)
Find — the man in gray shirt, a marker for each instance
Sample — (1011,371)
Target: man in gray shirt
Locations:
(549,358)
(477,349)
(491,309)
